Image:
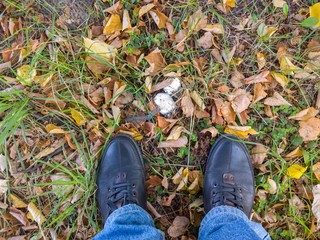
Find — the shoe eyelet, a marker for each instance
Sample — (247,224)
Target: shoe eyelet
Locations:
(134,193)
(240,190)
(215,185)
(133,185)
(213,194)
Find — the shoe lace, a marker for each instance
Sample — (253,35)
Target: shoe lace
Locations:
(227,194)
(119,195)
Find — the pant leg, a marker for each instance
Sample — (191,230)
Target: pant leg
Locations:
(129,222)
(228,223)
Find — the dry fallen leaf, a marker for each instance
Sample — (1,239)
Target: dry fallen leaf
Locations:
(273,186)
(3,186)
(258,154)
(278,3)
(113,24)
(309,129)
(180,142)
(280,78)
(259,93)
(145,9)
(214,132)
(276,100)
(19,215)
(295,153)
(153,181)
(176,132)
(99,49)
(316,170)
(51,128)
(187,106)
(126,21)
(36,214)
(287,66)
(76,115)
(261,60)
(260,78)
(305,114)
(197,99)
(156,61)
(206,41)
(178,226)
(16,202)
(316,202)
(242,132)
(159,18)
(296,171)
(2,162)
(26,74)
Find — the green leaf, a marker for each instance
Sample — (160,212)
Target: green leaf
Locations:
(285,9)
(306,157)
(309,22)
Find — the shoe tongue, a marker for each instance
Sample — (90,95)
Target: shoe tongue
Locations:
(228,178)
(120,178)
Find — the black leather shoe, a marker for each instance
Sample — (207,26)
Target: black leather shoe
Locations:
(229,177)
(121,176)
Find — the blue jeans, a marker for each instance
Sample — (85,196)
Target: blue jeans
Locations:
(224,222)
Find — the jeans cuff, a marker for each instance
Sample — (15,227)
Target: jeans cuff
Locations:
(130,208)
(224,210)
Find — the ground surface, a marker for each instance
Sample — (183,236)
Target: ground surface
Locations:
(75,73)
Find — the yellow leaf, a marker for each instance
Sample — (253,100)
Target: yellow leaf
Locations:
(287,66)
(16,202)
(113,24)
(194,187)
(236,61)
(230,3)
(145,9)
(261,60)
(315,12)
(76,115)
(280,78)
(99,49)
(159,18)
(242,132)
(36,214)
(197,99)
(295,153)
(270,32)
(26,74)
(296,171)
(51,128)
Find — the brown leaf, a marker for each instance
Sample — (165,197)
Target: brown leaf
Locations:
(260,78)
(259,93)
(197,22)
(176,132)
(276,100)
(96,66)
(164,181)
(214,132)
(181,142)
(206,41)
(162,85)
(187,106)
(159,18)
(178,226)
(19,215)
(153,181)
(115,8)
(258,155)
(241,103)
(145,9)
(309,129)
(166,124)
(156,61)
(305,114)
(236,79)
(166,201)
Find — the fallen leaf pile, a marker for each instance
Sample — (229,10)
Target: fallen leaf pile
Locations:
(175,77)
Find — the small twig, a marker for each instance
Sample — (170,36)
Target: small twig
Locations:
(143,118)
(51,155)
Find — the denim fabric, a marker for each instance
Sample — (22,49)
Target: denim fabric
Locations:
(224,222)
(129,222)
(228,223)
